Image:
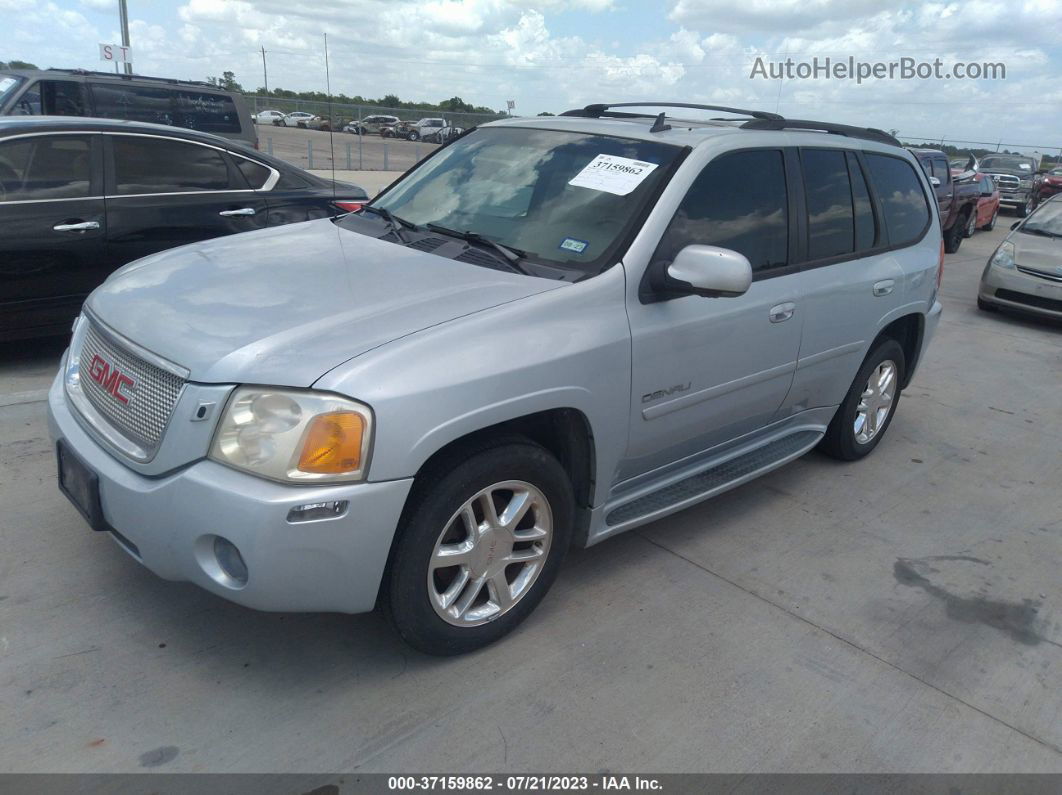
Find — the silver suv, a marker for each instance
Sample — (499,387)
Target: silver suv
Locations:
(545,334)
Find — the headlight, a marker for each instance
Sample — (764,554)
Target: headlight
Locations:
(294,435)
(1004,256)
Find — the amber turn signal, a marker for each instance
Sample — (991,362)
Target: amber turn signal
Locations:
(333,444)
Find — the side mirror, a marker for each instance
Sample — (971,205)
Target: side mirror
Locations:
(709,271)
(934,182)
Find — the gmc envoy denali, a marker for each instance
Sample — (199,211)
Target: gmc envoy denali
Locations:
(550,331)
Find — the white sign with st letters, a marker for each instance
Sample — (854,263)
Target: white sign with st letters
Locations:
(116,53)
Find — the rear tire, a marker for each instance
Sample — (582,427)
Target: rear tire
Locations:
(1024,209)
(413,135)
(971,225)
(953,237)
(457,607)
(867,410)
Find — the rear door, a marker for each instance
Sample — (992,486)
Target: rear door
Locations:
(164,192)
(862,210)
(52,228)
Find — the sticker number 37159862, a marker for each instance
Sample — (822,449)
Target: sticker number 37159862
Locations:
(613,174)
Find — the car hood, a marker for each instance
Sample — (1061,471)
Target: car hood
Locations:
(1038,253)
(285,305)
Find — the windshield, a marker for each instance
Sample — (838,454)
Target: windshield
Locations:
(1009,163)
(8,84)
(563,198)
(1046,220)
(1055,172)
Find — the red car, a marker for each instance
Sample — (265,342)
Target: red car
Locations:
(987,205)
(1052,184)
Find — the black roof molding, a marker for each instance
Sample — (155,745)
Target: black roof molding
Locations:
(866,133)
(125,77)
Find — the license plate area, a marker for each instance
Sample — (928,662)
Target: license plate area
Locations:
(81,486)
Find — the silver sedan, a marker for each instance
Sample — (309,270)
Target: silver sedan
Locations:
(1025,272)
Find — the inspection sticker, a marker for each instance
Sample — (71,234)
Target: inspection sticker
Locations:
(613,174)
(572,244)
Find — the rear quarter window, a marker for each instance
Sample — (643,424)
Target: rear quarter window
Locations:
(193,110)
(900,197)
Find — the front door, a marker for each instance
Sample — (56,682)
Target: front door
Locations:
(52,229)
(163,192)
(707,370)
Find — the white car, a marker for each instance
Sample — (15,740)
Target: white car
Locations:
(268,117)
(301,119)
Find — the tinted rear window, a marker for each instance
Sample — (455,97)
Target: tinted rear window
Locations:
(902,203)
(178,107)
(829,196)
(255,173)
(158,165)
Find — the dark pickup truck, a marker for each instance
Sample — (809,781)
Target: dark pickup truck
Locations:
(957,196)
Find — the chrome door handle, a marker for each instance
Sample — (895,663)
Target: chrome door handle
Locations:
(241,211)
(884,287)
(83,226)
(782,312)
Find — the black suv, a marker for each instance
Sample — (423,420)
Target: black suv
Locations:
(178,103)
(81,197)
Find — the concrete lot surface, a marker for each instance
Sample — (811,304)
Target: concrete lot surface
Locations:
(903,613)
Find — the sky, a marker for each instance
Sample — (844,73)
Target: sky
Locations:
(551,55)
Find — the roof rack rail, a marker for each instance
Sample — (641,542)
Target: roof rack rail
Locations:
(596,111)
(123,76)
(867,133)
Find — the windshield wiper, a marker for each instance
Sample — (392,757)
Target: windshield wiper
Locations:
(393,221)
(1037,231)
(512,255)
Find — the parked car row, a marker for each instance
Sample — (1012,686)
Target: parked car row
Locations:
(81,197)
(430,130)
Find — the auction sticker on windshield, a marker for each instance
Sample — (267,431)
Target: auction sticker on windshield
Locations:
(613,174)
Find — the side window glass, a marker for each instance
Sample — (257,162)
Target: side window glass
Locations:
(62,98)
(255,173)
(865,227)
(941,170)
(29,104)
(901,200)
(159,165)
(831,225)
(739,202)
(53,167)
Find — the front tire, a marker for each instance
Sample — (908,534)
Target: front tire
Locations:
(413,135)
(868,408)
(480,545)
(1025,209)
(971,225)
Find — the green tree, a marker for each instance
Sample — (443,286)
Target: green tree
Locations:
(547,113)
(18,65)
(227,81)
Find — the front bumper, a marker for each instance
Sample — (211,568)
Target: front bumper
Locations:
(328,565)
(1015,289)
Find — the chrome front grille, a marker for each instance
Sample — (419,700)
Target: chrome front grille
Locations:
(1006,182)
(139,408)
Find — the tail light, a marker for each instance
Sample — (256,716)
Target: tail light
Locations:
(349,206)
(940,265)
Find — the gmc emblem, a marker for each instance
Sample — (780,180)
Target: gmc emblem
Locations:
(112,380)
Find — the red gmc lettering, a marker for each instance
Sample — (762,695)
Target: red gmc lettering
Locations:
(112,381)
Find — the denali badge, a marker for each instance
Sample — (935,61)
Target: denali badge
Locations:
(660,393)
(112,380)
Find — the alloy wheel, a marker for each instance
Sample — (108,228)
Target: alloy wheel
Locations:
(875,404)
(490,553)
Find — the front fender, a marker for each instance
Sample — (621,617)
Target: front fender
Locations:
(567,348)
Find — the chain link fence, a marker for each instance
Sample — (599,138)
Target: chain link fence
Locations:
(342,114)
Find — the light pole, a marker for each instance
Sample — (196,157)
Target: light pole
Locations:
(125,32)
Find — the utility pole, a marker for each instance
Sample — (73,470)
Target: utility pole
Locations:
(125,32)
(265,74)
